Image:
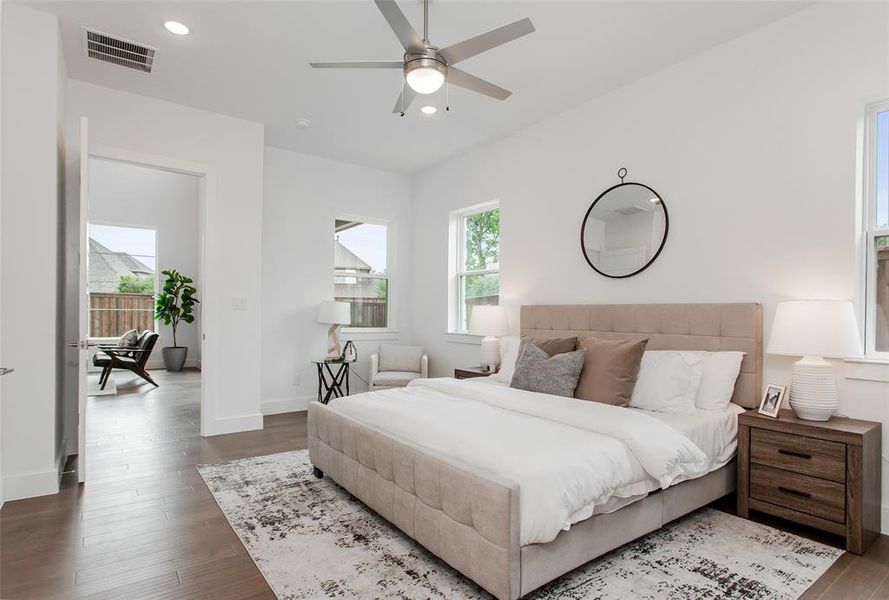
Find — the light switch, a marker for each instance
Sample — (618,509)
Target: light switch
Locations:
(239,303)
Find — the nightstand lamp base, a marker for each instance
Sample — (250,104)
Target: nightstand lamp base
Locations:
(813,393)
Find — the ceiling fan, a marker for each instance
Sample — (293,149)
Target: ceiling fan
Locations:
(426,67)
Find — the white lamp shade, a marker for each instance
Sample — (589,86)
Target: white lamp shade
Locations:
(825,328)
(335,313)
(488,320)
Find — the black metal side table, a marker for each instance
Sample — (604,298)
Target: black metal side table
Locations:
(332,376)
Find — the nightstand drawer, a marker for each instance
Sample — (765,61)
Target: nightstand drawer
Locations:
(810,495)
(810,456)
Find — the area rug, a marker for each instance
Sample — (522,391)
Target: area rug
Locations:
(312,539)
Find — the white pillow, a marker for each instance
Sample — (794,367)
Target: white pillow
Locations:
(718,383)
(509,353)
(401,358)
(668,381)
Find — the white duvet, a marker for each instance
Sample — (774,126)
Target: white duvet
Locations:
(567,456)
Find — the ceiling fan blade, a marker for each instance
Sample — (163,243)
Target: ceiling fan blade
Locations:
(484,42)
(358,64)
(474,84)
(408,94)
(399,24)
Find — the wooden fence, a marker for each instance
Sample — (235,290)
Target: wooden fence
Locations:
(112,315)
(368,312)
(882,316)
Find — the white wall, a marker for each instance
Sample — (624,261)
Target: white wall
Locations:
(233,150)
(303,196)
(753,147)
(169,203)
(33,165)
(2,21)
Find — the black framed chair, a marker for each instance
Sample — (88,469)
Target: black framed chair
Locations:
(132,359)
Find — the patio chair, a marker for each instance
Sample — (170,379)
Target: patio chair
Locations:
(132,359)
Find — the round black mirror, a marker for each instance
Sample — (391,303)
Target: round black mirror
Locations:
(624,229)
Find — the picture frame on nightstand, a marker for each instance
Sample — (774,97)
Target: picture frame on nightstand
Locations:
(772,399)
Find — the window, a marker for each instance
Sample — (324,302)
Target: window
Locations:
(361,271)
(122,279)
(477,275)
(877,231)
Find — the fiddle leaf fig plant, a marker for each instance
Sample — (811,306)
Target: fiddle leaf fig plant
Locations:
(176,301)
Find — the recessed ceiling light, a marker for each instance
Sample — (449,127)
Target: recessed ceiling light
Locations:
(428,110)
(302,123)
(176,27)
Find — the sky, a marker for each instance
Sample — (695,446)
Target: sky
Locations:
(368,242)
(135,241)
(883,170)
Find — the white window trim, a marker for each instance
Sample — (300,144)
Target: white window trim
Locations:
(157,273)
(371,333)
(455,263)
(868,233)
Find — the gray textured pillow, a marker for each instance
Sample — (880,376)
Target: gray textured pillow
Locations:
(128,340)
(537,371)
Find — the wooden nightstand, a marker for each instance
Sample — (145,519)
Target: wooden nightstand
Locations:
(470,372)
(821,474)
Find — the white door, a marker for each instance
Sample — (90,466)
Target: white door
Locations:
(84,302)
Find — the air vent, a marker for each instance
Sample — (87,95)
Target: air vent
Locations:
(118,51)
(633,210)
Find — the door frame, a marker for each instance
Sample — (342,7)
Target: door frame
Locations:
(207,199)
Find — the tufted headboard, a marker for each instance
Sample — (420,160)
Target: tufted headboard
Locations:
(667,327)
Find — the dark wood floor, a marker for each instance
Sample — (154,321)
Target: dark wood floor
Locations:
(145,525)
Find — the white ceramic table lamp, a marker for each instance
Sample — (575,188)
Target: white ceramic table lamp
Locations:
(489,321)
(334,314)
(814,329)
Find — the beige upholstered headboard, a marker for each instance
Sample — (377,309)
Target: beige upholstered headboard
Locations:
(667,327)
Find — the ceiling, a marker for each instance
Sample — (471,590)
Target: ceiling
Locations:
(249,59)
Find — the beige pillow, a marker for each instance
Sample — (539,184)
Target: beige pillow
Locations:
(610,369)
(552,346)
(401,358)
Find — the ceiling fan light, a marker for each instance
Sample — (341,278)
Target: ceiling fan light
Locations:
(425,80)
(176,27)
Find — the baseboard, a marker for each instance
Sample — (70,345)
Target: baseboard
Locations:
(233,425)
(286,405)
(16,487)
(155,364)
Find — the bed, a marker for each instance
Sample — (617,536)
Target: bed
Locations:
(478,509)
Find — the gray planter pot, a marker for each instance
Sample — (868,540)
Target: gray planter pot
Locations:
(174,357)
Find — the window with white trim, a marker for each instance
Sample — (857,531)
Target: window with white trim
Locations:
(122,279)
(475,243)
(876,216)
(361,271)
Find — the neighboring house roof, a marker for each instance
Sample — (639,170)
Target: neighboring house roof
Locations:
(343,258)
(106,267)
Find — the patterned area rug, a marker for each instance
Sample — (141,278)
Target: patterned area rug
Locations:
(312,539)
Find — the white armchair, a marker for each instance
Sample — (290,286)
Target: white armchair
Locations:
(396,366)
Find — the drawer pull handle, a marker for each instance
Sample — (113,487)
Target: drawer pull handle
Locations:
(794,492)
(794,453)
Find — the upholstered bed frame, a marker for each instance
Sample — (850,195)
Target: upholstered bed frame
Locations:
(470,518)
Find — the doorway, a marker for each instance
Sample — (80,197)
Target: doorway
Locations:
(144,215)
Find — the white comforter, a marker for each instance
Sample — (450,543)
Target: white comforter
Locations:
(568,456)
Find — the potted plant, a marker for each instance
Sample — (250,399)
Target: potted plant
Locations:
(174,305)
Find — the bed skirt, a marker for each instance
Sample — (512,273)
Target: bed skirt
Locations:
(469,517)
